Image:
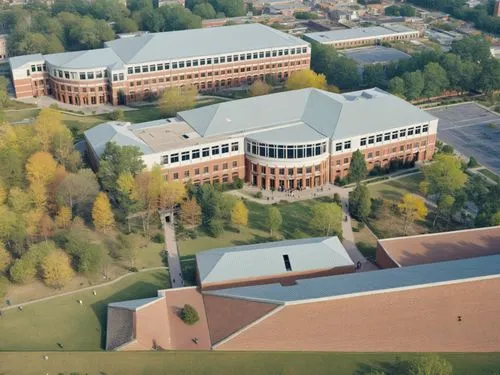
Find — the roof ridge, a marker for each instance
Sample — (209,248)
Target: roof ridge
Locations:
(149,38)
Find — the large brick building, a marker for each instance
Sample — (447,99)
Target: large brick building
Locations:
(292,140)
(438,302)
(140,67)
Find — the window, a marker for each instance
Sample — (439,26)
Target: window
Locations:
(185,155)
(164,159)
(347,145)
(186,173)
(371,139)
(222,59)
(417,130)
(395,135)
(224,166)
(215,150)
(379,138)
(387,136)
(304,50)
(234,146)
(299,171)
(137,69)
(268,53)
(363,142)
(377,153)
(290,171)
(402,133)
(410,131)
(115,77)
(176,176)
(98,75)
(263,169)
(145,68)
(83,76)
(318,148)
(195,154)
(370,155)
(202,61)
(346,160)
(425,128)
(121,76)
(205,169)
(205,152)
(181,64)
(216,167)
(338,147)
(401,148)
(159,66)
(225,148)
(249,56)
(66,75)
(197,171)
(290,152)
(282,171)
(174,158)
(195,62)
(235,164)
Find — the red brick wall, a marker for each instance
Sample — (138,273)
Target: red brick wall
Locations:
(382,259)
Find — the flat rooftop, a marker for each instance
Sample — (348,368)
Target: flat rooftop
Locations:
(440,247)
(357,33)
(375,55)
(362,283)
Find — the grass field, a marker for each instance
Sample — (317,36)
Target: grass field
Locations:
(226,363)
(296,218)
(42,325)
(365,240)
(489,174)
(395,189)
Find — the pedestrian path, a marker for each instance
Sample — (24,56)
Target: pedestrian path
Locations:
(174,263)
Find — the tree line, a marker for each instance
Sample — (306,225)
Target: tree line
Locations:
(469,66)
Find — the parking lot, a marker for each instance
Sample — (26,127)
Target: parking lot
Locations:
(473,131)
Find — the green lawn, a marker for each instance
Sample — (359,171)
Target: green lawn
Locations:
(226,363)
(395,189)
(42,325)
(296,217)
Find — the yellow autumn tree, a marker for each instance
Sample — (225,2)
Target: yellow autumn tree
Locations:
(258,88)
(175,99)
(3,194)
(63,217)
(126,184)
(412,208)
(171,193)
(38,194)
(48,124)
(306,78)
(32,222)
(5,259)
(190,213)
(102,215)
(41,167)
(56,269)
(239,214)
(45,226)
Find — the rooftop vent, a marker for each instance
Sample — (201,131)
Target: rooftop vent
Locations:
(286,259)
(185,136)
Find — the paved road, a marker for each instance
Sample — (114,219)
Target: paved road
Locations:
(174,263)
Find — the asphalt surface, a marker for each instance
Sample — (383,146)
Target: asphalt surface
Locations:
(473,131)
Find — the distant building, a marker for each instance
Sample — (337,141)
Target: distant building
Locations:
(287,9)
(344,15)
(131,35)
(375,55)
(160,3)
(4,53)
(362,36)
(136,68)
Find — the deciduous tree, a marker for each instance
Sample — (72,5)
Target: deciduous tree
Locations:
(5,259)
(412,208)
(239,214)
(63,217)
(273,219)
(102,215)
(176,99)
(357,167)
(190,213)
(414,84)
(397,87)
(78,190)
(327,218)
(87,257)
(46,226)
(305,78)
(41,167)
(56,269)
(170,194)
(360,202)
(48,123)
(430,364)
(258,88)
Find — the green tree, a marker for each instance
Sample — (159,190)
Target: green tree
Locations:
(11,167)
(327,218)
(273,219)
(116,160)
(176,17)
(357,168)
(176,99)
(360,202)
(86,256)
(204,10)
(435,80)
(397,87)
(231,8)
(22,271)
(189,315)
(414,84)
(215,227)
(430,364)
(374,75)
(5,259)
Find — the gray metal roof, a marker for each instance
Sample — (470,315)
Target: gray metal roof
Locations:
(373,281)
(133,304)
(114,131)
(375,54)
(265,260)
(295,133)
(90,59)
(200,42)
(18,61)
(356,33)
(332,115)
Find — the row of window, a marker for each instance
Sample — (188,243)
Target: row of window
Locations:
(213,60)
(206,170)
(100,74)
(371,40)
(393,135)
(286,152)
(196,154)
(409,146)
(282,171)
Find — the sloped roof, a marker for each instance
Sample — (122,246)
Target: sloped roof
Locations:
(357,32)
(308,290)
(114,131)
(134,304)
(266,260)
(332,115)
(19,61)
(94,58)
(200,42)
